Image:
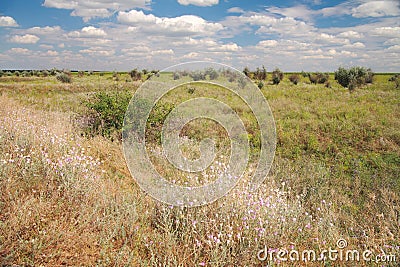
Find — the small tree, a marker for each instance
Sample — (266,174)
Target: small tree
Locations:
(277,76)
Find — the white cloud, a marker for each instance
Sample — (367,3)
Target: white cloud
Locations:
(18,50)
(99,8)
(301,12)
(235,10)
(98,51)
(186,24)
(377,9)
(390,32)
(198,2)
(45,30)
(46,46)
(268,43)
(89,32)
(356,45)
(232,47)
(134,16)
(351,35)
(394,48)
(51,53)
(6,21)
(25,39)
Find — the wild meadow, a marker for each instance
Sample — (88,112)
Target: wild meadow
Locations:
(68,198)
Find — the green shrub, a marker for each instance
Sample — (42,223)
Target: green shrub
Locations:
(260,74)
(106,111)
(396,79)
(260,84)
(277,76)
(198,75)
(135,75)
(353,77)
(242,82)
(176,75)
(45,73)
(212,73)
(247,72)
(294,78)
(318,77)
(64,77)
(1,73)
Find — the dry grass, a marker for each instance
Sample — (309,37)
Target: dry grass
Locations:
(70,200)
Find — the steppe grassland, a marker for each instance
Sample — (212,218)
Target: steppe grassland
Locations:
(69,199)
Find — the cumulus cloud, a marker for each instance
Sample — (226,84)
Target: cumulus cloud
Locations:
(235,10)
(377,9)
(186,24)
(232,47)
(99,8)
(25,39)
(198,2)
(47,30)
(6,21)
(390,32)
(89,32)
(268,43)
(18,50)
(351,35)
(98,51)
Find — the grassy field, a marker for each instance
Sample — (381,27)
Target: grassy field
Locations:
(67,198)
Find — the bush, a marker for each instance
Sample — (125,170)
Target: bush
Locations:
(1,73)
(246,71)
(212,73)
(353,77)
(176,75)
(261,74)
(277,76)
(318,77)
(45,73)
(242,82)
(106,113)
(294,78)
(63,77)
(260,84)
(198,75)
(135,75)
(396,79)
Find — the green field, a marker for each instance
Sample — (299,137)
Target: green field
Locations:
(67,197)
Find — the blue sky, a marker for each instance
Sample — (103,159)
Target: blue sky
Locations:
(310,35)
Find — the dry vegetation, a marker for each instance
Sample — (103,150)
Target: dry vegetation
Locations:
(68,199)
